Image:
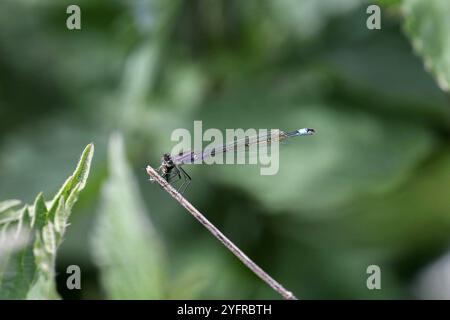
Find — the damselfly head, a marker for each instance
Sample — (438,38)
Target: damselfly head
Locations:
(166,157)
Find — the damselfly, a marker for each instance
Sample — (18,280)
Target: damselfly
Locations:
(171,165)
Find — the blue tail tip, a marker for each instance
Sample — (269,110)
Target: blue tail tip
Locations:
(306,131)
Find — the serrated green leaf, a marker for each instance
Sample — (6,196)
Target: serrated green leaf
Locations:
(13,215)
(84,165)
(41,256)
(12,237)
(73,197)
(40,213)
(60,216)
(79,176)
(63,191)
(22,222)
(125,246)
(427,23)
(3,232)
(8,216)
(30,272)
(8,204)
(17,267)
(27,217)
(70,189)
(18,275)
(49,239)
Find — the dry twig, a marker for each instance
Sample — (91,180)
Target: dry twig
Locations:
(219,235)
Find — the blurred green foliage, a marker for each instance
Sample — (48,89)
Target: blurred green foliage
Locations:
(32,234)
(370,188)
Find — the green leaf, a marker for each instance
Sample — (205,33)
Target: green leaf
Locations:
(47,241)
(125,246)
(48,236)
(84,165)
(73,196)
(427,23)
(45,267)
(43,289)
(40,213)
(23,223)
(8,216)
(17,272)
(60,216)
(28,270)
(8,204)
(17,266)
(41,256)
(76,180)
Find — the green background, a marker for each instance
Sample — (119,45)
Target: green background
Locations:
(371,187)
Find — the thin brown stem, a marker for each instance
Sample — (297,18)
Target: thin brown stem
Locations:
(219,235)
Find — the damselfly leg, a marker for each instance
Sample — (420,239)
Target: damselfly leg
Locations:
(176,175)
(173,177)
(187,180)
